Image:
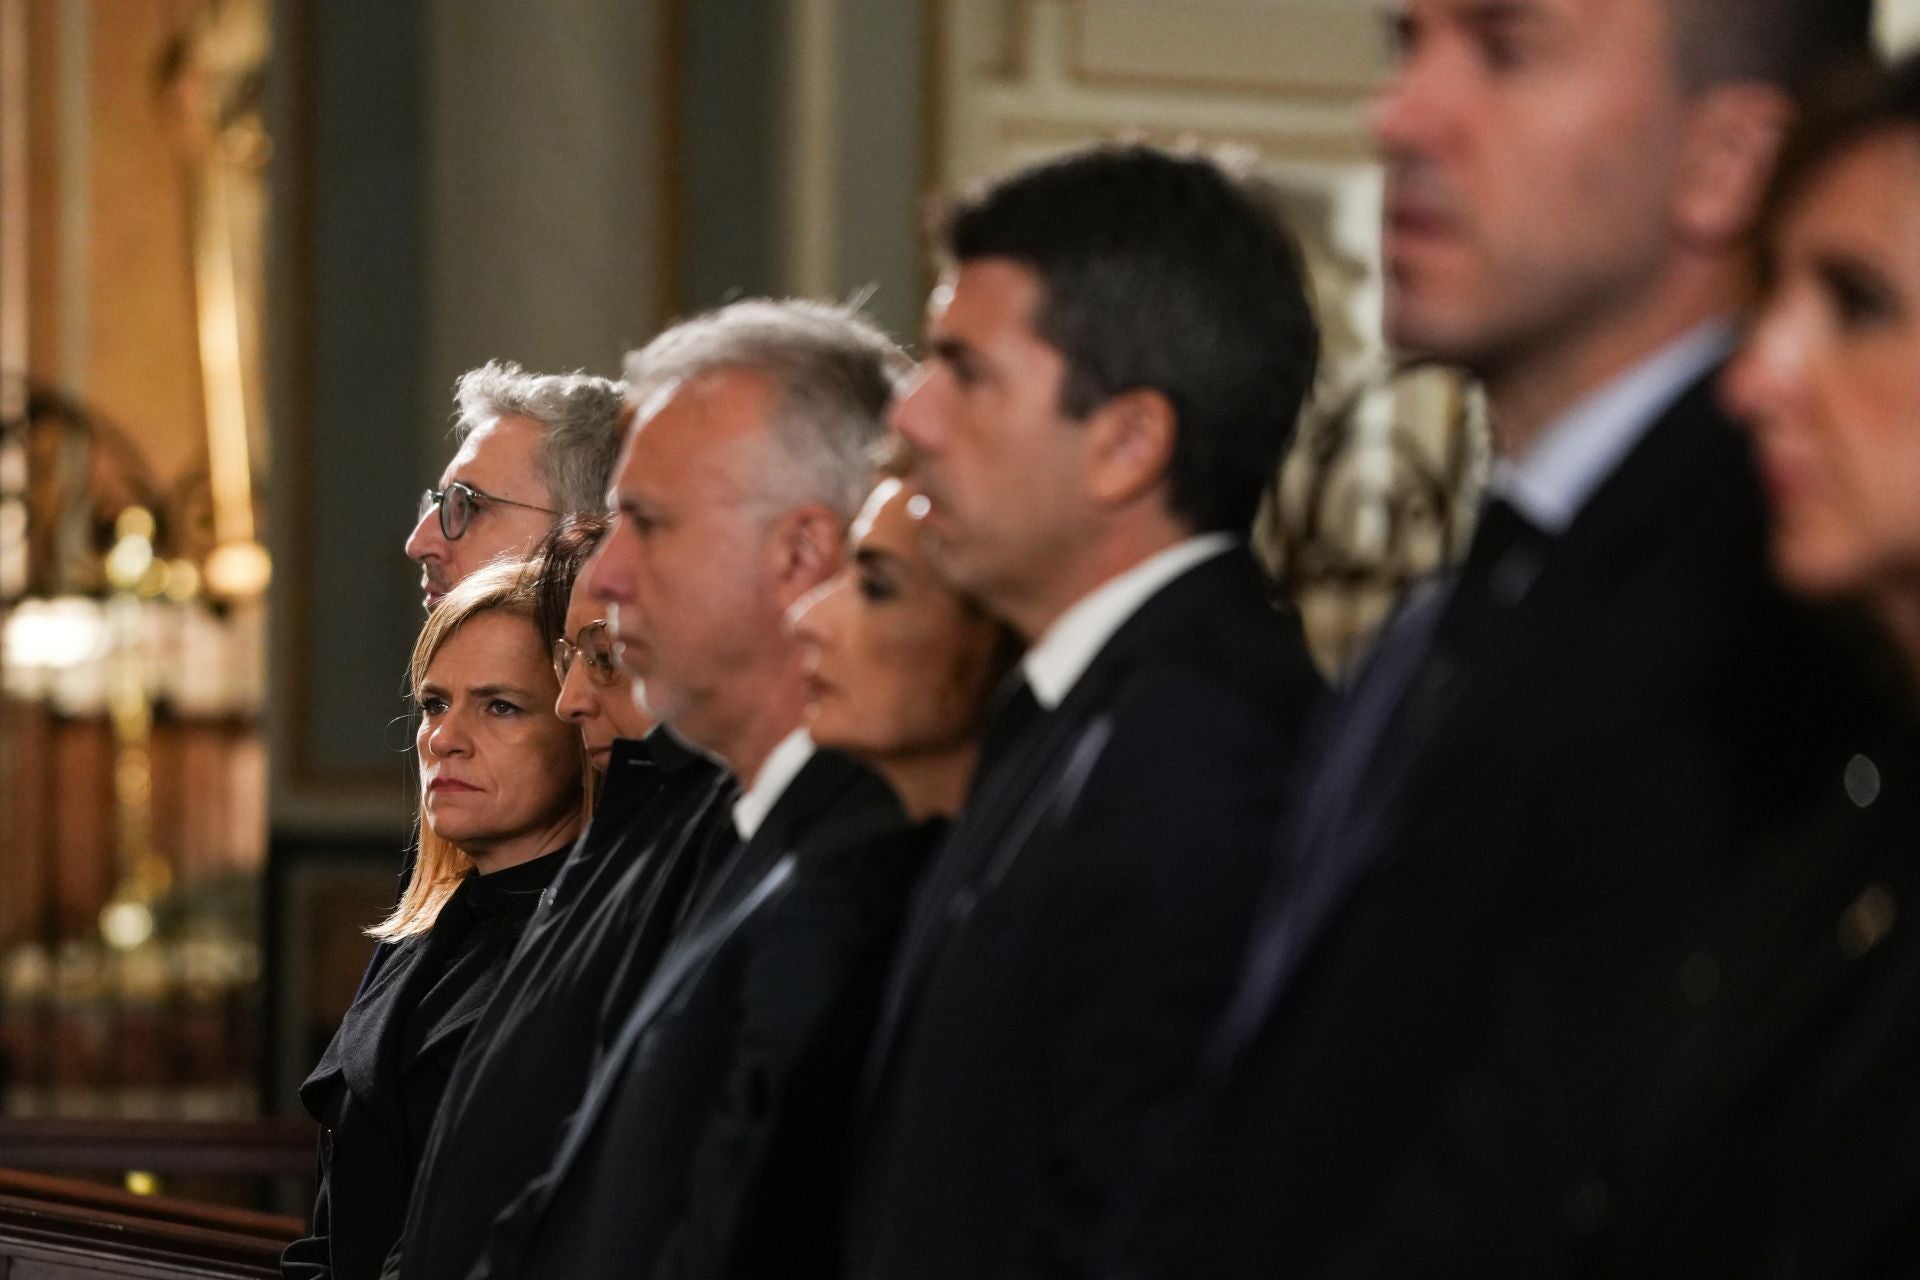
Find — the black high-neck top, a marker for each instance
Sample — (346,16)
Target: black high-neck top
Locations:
(379,1084)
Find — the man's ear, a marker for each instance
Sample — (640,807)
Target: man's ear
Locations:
(1733,141)
(806,545)
(1129,446)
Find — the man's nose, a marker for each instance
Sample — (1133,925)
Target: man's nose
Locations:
(426,541)
(1412,109)
(915,414)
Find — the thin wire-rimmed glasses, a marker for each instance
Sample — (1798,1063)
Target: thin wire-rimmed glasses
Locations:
(457,502)
(596,647)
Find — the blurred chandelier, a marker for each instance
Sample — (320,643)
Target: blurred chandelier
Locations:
(111,609)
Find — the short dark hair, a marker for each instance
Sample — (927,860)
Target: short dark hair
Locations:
(1163,272)
(1848,111)
(1790,43)
(562,554)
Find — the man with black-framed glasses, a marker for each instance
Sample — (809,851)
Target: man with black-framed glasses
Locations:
(533,447)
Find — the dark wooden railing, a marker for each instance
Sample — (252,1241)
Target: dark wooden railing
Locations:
(263,1148)
(57,1229)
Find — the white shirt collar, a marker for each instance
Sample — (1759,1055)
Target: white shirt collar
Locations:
(1061,656)
(1553,479)
(783,764)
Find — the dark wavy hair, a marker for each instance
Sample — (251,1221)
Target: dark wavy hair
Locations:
(562,554)
(1848,110)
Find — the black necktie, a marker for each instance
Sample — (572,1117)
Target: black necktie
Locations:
(1506,555)
(1331,835)
(716,851)
(1013,709)
(955,864)
(1331,840)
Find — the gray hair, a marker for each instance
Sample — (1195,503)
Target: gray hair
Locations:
(832,369)
(579,416)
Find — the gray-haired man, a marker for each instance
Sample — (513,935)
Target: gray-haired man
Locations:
(532,447)
(670,1079)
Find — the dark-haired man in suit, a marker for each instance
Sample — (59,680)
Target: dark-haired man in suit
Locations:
(1116,355)
(1557,760)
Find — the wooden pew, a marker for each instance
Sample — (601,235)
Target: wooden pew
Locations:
(267,1148)
(59,1229)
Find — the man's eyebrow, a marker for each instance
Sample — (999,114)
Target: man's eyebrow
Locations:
(1401,26)
(952,350)
(631,501)
(1502,13)
(1396,24)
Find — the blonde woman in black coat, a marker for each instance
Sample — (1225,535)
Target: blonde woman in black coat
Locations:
(503,794)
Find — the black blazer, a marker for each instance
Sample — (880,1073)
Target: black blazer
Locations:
(1446,1084)
(381,1080)
(1784,1133)
(587,953)
(1113,851)
(707,1143)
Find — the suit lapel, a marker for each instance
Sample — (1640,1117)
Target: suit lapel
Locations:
(1634,514)
(687,956)
(1461,699)
(1037,773)
(747,879)
(1008,790)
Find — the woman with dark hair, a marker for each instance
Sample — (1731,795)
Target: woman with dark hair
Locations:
(900,665)
(1797,1094)
(502,796)
(597,694)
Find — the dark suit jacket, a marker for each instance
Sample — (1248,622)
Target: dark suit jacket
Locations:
(1115,849)
(1445,1085)
(1784,1133)
(380,1083)
(707,1145)
(586,954)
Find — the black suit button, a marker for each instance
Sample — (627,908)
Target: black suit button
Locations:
(1862,781)
(1513,576)
(1589,1207)
(1700,977)
(1867,920)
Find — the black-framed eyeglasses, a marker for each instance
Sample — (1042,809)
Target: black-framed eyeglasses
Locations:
(596,647)
(457,502)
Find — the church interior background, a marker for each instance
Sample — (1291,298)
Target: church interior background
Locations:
(245,248)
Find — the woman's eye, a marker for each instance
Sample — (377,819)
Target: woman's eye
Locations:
(1860,304)
(430,706)
(1859,299)
(501,707)
(875,590)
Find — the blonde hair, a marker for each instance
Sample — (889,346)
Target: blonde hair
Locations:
(508,587)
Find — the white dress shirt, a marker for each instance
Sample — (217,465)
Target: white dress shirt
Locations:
(783,764)
(1061,656)
(1552,480)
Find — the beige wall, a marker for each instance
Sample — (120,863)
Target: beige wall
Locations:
(1899,24)
(547,243)
(110,287)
